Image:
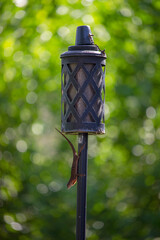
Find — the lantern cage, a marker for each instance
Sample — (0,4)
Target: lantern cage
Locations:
(83,87)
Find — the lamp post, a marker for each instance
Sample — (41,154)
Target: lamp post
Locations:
(82,105)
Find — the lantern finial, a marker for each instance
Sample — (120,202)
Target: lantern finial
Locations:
(84,36)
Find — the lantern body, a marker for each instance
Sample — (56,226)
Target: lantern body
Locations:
(83,90)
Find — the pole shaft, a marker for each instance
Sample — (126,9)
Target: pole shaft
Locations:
(82,188)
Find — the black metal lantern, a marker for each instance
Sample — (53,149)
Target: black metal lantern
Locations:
(83,86)
(82,107)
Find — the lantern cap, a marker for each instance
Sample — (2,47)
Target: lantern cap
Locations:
(84,45)
(84,36)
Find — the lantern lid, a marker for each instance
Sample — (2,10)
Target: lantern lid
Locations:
(84,36)
(84,45)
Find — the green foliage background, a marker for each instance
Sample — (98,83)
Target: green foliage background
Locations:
(123,170)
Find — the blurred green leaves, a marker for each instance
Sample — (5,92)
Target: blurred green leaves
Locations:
(123,170)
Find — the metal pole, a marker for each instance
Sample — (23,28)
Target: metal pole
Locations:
(82,188)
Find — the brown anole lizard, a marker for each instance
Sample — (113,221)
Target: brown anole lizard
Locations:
(74,174)
(91,39)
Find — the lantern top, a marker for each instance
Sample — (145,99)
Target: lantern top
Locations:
(84,36)
(84,45)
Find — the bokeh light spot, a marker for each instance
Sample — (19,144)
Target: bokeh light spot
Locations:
(8,219)
(32,85)
(110,193)
(20,14)
(149,138)
(27,71)
(148,125)
(62,10)
(63,31)
(10,74)
(86,2)
(31,97)
(38,159)
(46,36)
(10,133)
(19,32)
(16,226)
(55,186)
(20,3)
(18,56)
(37,128)
(98,225)
(87,19)
(126,12)
(21,146)
(150,158)
(121,207)
(42,188)
(151,112)
(137,150)
(136,20)
(77,13)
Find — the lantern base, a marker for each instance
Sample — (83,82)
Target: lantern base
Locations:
(83,128)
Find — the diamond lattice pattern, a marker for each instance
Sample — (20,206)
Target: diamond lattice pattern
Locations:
(71,92)
(89,92)
(81,76)
(98,77)
(80,106)
(98,107)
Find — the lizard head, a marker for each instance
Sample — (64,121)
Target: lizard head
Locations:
(71,183)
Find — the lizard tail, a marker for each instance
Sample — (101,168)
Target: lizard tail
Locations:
(73,149)
(81,150)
